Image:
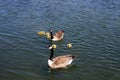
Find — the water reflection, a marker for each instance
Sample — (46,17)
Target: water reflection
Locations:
(53,74)
(51,77)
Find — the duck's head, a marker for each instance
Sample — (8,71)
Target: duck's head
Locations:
(51,30)
(53,46)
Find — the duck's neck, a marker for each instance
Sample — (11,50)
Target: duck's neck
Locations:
(52,53)
(51,34)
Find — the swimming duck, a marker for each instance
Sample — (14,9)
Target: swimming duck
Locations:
(41,33)
(60,61)
(69,45)
(57,36)
(48,35)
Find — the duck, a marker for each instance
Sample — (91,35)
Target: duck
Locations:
(69,45)
(58,35)
(48,35)
(59,62)
(41,33)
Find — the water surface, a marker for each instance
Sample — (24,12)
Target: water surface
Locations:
(93,28)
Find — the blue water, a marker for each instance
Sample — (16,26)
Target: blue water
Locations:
(92,26)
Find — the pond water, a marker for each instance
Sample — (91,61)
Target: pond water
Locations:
(92,26)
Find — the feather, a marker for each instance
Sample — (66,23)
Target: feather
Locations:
(62,61)
(58,35)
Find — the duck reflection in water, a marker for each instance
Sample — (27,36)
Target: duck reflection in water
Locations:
(51,75)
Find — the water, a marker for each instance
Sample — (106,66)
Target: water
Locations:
(92,26)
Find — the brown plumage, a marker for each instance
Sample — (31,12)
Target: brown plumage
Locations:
(58,35)
(60,61)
